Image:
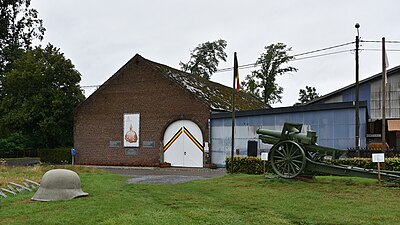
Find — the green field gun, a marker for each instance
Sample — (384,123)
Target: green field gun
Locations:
(294,153)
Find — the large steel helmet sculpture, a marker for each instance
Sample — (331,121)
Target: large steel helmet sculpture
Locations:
(59,184)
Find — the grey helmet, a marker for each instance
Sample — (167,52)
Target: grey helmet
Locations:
(59,184)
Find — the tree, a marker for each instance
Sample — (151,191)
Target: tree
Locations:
(204,59)
(40,93)
(251,85)
(308,94)
(13,145)
(262,82)
(19,26)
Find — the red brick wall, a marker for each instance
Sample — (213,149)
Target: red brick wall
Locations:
(136,88)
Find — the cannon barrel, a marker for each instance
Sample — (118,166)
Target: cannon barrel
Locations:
(272,133)
(269,136)
(268,139)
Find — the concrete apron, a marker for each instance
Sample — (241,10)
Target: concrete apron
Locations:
(156,175)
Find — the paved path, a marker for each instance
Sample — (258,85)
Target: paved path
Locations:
(172,175)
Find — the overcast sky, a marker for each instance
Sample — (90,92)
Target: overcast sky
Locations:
(100,36)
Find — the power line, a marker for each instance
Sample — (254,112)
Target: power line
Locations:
(320,55)
(390,42)
(89,86)
(245,66)
(324,49)
(377,49)
(252,65)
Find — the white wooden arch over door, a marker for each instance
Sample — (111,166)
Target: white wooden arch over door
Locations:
(183,144)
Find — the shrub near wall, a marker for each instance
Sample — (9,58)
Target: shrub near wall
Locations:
(390,163)
(248,165)
(55,155)
(254,165)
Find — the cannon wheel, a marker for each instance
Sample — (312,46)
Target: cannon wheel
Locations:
(287,159)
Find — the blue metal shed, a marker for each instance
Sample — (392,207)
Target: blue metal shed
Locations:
(333,122)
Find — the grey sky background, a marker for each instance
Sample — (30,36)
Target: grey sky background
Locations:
(100,36)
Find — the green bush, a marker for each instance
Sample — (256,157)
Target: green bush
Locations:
(254,165)
(248,165)
(55,155)
(389,164)
(392,164)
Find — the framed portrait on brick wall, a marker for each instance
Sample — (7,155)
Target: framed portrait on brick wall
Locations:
(131,129)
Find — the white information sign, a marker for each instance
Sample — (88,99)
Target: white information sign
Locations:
(378,157)
(264,156)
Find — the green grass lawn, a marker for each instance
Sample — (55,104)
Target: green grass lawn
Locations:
(233,199)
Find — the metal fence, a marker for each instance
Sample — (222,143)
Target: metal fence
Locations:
(367,153)
(19,154)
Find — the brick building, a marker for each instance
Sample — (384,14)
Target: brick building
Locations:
(148,113)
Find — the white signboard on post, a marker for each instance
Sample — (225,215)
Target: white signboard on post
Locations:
(378,157)
(264,156)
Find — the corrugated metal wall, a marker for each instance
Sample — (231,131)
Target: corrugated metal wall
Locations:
(392,98)
(335,128)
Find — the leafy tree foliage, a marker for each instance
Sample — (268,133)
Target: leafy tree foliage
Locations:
(39,95)
(19,26)
(262,82)
(13,145)
(204,59)
(251,85)
(308,94)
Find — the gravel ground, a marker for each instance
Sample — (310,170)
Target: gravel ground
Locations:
(173,175)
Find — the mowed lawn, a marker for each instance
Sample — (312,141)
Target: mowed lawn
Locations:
(233,199)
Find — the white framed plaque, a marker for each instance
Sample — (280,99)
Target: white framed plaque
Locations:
(264,156)
(131,129)
(378,157)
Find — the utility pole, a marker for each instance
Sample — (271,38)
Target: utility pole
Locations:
(235,76)
(357,143)
(383,95)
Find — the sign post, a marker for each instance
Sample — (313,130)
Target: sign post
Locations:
(264,158)
(73,153)
(378,158)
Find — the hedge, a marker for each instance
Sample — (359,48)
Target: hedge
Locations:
(254,165)
(55,155)
(249,165)
(389,164)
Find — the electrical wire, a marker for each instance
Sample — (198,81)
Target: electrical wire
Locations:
(320,55)
(377,49)
(324,49)
(390,42)
(90,86)
(252,65)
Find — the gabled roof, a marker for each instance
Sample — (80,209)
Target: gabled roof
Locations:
(374,77)
(217,96)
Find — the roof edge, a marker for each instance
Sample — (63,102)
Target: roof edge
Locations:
(289,109)
(389,72)
(105,84)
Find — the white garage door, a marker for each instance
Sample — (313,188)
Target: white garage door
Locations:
(183,144)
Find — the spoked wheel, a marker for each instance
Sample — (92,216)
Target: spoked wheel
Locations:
(288,159)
